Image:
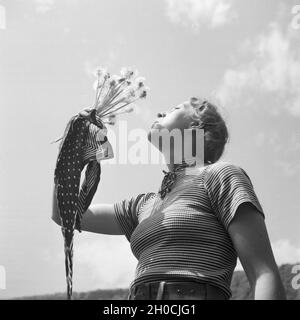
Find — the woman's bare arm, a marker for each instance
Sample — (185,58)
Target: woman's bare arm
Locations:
(99,218)
(250,238)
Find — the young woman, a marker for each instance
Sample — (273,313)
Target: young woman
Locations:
(188,235)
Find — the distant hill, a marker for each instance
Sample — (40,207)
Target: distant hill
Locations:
(239,286)
(241,289)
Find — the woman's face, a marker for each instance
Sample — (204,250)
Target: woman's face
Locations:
(178,117)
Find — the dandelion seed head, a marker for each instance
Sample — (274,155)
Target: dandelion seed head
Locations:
(139,82)
(115,92)
(99,71)
(143,94)
(112,82)
(127,72)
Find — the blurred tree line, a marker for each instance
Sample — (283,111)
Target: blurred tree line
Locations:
(239,286)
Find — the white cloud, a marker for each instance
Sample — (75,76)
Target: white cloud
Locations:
(284,252)
(103,263)
(214,13)
(43,6)
(2,17)
(273,72)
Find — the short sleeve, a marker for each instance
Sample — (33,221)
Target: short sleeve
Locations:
(228,186)
(127,210)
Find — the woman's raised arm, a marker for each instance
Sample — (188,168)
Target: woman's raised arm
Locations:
(99,218)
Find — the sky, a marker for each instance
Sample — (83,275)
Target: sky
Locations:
(242,55)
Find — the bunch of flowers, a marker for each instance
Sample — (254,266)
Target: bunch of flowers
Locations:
(115,93)
(82,146)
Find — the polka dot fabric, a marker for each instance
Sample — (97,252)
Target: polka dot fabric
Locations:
(83,145)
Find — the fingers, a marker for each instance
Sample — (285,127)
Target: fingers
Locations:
(85,112)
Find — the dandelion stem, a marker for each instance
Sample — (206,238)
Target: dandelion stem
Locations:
(97,90)
(110,107)
(98,97)
(106,97)
(123,106)
(105,103)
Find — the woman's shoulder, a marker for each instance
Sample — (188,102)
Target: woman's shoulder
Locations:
(222,170)
(222,165)
(214,168)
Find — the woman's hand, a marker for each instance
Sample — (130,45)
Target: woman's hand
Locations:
(250,238)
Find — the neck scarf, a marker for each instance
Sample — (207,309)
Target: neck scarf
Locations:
(170,177)
(84,143)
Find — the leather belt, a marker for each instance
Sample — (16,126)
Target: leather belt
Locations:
(175,290)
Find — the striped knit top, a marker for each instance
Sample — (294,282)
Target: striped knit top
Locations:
(185,235)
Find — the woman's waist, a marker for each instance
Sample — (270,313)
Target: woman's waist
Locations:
(151,277)
(177,288)
(185,263)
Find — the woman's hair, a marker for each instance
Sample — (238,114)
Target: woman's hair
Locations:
(215,130)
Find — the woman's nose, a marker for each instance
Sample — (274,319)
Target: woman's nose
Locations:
(161,115)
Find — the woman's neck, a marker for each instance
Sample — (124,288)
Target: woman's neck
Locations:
(183,164)
(179,157)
